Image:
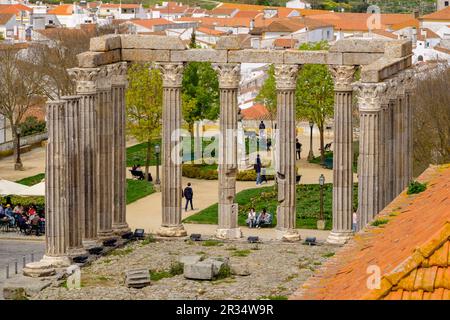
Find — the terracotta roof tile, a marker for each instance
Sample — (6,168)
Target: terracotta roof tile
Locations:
(443,14)
(4,18)
(14,8)
(149,23)
(407,249)
(255,112)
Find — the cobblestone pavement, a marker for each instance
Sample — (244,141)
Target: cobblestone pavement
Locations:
(277,270)
(12,250)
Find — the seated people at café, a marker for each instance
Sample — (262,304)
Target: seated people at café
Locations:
(10,215)
(263,218)
(34,222)
(251,219)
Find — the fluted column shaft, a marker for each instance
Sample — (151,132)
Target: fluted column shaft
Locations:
(285,77)
(119,82)
(75,207)
(229,76)
(389,153)
(105,203)
(57,219)
(399,135)
(171,187)
(342,154)
(409,136)
(369,101)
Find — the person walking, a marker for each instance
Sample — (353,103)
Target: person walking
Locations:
(262,128)
(355,222)
(188,194)
(298,149)
(258,169)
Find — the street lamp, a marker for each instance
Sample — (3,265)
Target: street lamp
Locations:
(311,153)
(157,152)
(321,224)
(18,165)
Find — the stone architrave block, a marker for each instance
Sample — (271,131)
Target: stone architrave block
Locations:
(359,45)
(256,56)
(199,271)
(358,58)
(152,42)
(229,43)
(144,55)
(105,43)
(204,55)
(94,59)
(383,69)
(304,56)
(398,48)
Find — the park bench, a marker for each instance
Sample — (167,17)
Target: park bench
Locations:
(328,163)
(139,175)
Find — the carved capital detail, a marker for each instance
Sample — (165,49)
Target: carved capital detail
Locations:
(172,74)
(118,73)
(286,76)
(229,74)
(85,79)
(370,95)
(343,77)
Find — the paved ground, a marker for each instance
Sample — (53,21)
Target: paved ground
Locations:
(12,250)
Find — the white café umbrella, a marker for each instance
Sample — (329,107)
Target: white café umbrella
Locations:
(12,188)
(36,190)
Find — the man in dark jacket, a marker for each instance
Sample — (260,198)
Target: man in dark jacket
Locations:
(258,167)
(188,194)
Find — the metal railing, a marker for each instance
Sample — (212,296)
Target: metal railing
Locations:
(16,266)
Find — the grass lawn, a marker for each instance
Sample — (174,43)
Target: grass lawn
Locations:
(137,189)
(31,181)
(308,205)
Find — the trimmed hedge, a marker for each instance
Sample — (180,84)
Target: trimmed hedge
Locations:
(209,172)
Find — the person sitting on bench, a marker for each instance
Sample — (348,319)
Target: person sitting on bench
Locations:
(136,172)
(263,219)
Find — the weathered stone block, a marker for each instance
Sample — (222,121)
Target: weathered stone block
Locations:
(105,43)
(199,271)
(145,55)
(357,58)
(137,278)
(94,59)
(383,68)
(359,45)
(398,48)
(218,263)
(302,57)
(206,55)
(256,56)
(228,42)
(152,42)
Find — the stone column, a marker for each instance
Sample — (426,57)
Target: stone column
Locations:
(104,169)
(119,81)
(399,128)
(57,219)
(75,207)
(229,76)
(86,88)
(390,154)
(171,188)
(343,155)
(409,89)
(285,77)
(369,101)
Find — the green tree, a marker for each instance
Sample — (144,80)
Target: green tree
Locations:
(144,105)
(315,94)
(268,94)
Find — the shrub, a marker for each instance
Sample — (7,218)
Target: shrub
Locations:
(241,253)
(379,222)
(176,268)
(224,272)
(32,125)
(416,187)
(212,243)
(199,171)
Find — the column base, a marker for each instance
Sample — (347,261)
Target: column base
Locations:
(339,237)
(75,252)
(234,233)
(106,235)
(120,229)
(287,235)
(177,231)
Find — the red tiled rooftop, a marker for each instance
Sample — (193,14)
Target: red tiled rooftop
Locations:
(256,112)
(410,248)
(440,15)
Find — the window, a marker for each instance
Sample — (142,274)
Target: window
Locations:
(445,3)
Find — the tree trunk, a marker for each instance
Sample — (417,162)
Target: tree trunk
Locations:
(147,160)
(322,151)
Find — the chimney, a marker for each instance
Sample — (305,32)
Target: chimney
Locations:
(416,13)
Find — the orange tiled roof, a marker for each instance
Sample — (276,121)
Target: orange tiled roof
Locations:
(4,18)
(247,14)
(14,8)
(443,14)
(211,32)
(222,11)
(149,23)
(385,33)
(411,250)
(255,112)
(405,24)
(347,21)
(285,43)
(62,10)
(118,5)
(283,11)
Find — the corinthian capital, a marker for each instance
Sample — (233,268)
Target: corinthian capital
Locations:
(370,95)
(172,74)
(286,76)
(343,77)
(118,73)
(85,79)
(229,74)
